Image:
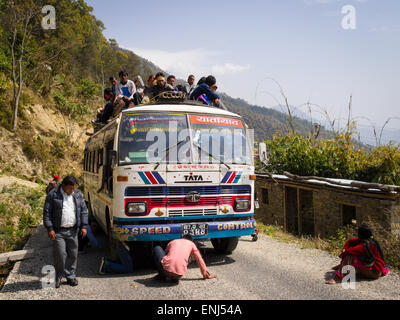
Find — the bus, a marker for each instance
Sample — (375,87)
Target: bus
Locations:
(160,171)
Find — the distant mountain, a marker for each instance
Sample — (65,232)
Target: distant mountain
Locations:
(367,135)
(267,122)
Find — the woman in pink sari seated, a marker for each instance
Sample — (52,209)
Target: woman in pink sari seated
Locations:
(364,254)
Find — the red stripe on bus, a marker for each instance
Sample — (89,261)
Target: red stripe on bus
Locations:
(151,178)
(233,176)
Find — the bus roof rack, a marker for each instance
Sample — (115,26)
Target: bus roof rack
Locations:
(175,97)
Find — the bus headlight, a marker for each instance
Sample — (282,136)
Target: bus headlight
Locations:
(242,205)
(136,209)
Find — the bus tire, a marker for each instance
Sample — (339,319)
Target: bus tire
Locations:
(225,245)
(89,206)
(112,243)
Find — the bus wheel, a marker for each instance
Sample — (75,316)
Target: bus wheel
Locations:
(89,207)
(112,243)
(225,245)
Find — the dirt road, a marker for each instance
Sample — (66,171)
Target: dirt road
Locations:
(266,269)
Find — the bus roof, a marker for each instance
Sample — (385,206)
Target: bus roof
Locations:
(172,107)
(181,107)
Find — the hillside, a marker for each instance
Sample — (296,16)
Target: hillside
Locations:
(66,70)
(267,122)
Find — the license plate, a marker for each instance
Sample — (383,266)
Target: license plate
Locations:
(195,229)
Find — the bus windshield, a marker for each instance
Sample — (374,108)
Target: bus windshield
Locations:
(166,138)
(220,139)
(146,138)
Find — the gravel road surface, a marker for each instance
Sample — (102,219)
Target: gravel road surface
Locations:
(266,269)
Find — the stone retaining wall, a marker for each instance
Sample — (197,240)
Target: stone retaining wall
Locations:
(322,210)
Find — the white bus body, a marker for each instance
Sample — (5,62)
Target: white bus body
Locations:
(134,200)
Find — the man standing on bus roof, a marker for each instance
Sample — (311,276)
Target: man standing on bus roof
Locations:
(64,215)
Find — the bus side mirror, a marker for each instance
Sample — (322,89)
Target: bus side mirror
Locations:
(262,153)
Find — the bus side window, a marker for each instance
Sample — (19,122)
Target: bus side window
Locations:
(84,162)
(100,158)
(108,172)
(91,162)
(94,162)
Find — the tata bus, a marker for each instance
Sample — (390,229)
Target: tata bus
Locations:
(163,170)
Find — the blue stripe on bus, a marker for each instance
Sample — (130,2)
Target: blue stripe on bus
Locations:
(226,178)
(237,178)
(221,229)
(144,178)
(158,177)
(176,236)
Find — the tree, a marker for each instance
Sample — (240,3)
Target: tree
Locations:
(87,89)
(71,112)
(28,55)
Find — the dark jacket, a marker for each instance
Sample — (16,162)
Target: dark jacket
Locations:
(52,211)
(203,89)
(156,90)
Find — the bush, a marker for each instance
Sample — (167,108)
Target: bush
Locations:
(336,158)
(88,89)
(20,210)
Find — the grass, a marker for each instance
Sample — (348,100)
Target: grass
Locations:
(4,271)
(389,242)
(20,212)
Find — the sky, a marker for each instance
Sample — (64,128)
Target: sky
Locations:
(251,46)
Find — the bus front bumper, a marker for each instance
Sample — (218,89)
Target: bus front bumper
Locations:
(169,232)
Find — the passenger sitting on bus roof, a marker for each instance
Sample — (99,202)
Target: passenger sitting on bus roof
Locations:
(207,89)
(151,81)
(189,86)
(173,262)
(160,87)
(171,81)
(121,266)
(201,81)
(103,115)
(113,83)
(138,81)
(126,89)
(109,108)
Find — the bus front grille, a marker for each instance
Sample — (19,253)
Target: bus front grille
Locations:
(192,212)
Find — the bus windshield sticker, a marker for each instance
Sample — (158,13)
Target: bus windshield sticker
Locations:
(135,155)
(145,123)
(206,120)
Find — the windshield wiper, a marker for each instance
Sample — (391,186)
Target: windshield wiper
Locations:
(168,149)
(210,155)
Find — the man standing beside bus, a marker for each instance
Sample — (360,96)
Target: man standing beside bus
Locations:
(64,215)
